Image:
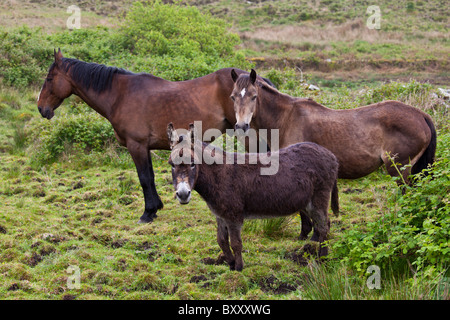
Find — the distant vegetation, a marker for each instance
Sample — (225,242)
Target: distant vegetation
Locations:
(174,42)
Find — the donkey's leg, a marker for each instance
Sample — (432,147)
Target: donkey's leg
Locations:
(141,158)
(321,223)
(236,244)
(306,226)
(222,240)
(318,212)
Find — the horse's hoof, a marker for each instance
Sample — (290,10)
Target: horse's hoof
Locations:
(148,217)
(143,221)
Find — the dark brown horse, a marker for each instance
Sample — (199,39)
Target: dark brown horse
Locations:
(139,106)
(304,180)
(362,139)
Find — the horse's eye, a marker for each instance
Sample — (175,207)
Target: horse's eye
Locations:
(192,166)
(49,79)
(232,98)
(254,98)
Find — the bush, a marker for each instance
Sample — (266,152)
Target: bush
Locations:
(63,134)
(23,56)
(414,233)
(178,42)
(396,91)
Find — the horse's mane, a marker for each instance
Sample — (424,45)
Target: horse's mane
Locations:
(97,77)
(244,80)
(267,87)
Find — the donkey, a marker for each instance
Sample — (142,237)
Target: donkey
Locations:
(362,139)
(306,176)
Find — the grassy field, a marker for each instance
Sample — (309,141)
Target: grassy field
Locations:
(80,212)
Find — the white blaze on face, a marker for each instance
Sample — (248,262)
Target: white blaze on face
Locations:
(39,95)
(183,190)
(243,93)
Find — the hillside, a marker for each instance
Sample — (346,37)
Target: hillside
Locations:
(329,39)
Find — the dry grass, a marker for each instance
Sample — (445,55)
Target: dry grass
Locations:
(349,31)
(324,35)
(48,15)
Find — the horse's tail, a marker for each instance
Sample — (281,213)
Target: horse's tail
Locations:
(335,199)
(428,156)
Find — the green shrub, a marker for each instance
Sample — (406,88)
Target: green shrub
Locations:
(178,42)
(23,56)
(100,44)
(63,134)
(395,91)
(414,233)
(287,80)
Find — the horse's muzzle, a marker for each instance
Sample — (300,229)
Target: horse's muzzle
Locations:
(242,126)
(46,112)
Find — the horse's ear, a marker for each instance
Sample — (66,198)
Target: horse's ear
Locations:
(234,75)
(58,56)
(253,76)
(172,135)
(191,133)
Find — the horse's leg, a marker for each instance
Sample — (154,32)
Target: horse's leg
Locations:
(159,204)
(236,244)
(394,170)
(222,240)
(142,161)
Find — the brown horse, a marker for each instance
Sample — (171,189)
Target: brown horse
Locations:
(304,181)
(362,139)
(139,106)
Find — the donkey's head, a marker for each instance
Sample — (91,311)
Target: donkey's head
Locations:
(55,89)
(244,96)
(182,159)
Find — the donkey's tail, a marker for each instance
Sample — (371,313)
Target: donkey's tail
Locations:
(335,199)
(428,156)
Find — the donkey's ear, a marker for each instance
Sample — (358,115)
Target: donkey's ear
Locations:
(58,56)
(234,75)
(191,133)
(172,135)
(253,76)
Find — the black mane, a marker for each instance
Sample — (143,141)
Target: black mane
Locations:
(97,77)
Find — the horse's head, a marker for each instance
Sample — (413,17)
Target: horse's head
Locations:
(182,160)
(55,89)
(244,96)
